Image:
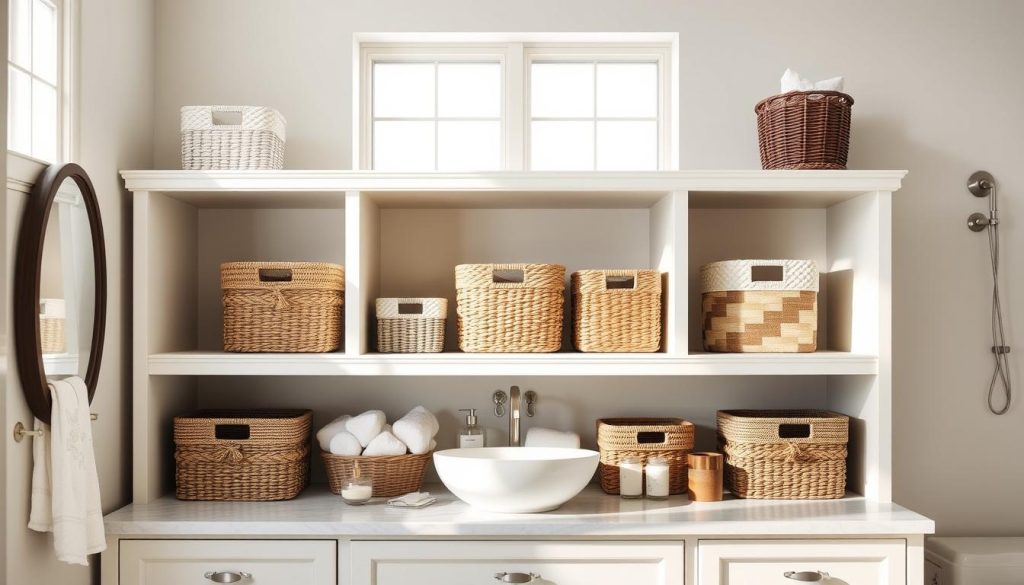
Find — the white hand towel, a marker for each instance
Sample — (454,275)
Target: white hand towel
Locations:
(65,487)
(385,444)
(541,437)
(366,426)
(416,429)
(344,443)
(327,432)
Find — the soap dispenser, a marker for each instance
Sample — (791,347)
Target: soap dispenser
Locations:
(470,435)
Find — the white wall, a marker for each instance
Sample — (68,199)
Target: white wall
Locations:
(937,89)
(115,97)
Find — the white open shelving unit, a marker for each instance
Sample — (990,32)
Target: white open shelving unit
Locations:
(402,235)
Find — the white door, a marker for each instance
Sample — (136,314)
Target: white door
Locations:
(245,562)
(539,562)
(788,562)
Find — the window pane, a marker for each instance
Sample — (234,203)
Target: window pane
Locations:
(627,90)
(44,121)
(403,90)
(561,146)
(627,146)
(561,90)
(19,111)
(468,146)
(21,33)
(44,41)
(469,90)
(403,146)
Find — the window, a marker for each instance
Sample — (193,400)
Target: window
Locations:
(34,71)
(515,102)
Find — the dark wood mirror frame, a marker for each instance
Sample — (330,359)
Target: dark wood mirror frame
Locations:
(27,273)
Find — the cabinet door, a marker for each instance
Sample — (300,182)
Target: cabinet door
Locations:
(788,562)
(540,563)
(245,562)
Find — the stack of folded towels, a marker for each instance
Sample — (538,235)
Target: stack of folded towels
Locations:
(370,435)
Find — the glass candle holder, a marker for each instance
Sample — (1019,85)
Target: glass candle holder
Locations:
(357,491)
(631,475)
(657,473)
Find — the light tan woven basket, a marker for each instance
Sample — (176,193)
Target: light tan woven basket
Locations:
(510,307)
(618,438)
(392,475)
(231,137)
(784,454)
(282,306)
(51,334)
(411,325)
(247,455)
(752,306)
(616,310)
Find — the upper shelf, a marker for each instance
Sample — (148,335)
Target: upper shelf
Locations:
(293,188)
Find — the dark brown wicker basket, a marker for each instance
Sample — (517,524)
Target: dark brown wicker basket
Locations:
(392,475)
(618,438)
(245,455)
(804,130)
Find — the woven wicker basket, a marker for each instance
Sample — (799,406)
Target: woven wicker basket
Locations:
(510,307)
(411,325)
(618,438)
(246,455)
(784,454)
(392,475)
(51,334)
(616,310)
(231,137)
(282,306)
(804,130)
(752,306)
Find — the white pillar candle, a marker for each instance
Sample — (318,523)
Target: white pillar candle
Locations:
(657,471)
(631,473)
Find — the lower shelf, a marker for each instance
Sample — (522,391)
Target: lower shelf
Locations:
(218,363)
(317,512)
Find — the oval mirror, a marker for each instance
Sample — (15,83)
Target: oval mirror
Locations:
(60,286)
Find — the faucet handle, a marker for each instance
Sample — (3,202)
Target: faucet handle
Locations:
(531,399)
(500,398)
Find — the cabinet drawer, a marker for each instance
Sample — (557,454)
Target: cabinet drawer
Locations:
(767,562)
(246,562)
(552,563)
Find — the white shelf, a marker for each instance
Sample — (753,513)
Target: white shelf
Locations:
(216,363)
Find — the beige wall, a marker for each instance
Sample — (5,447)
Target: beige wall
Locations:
(115,94)
(937,85)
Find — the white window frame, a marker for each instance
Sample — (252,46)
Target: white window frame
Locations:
(516,52)
(25,167)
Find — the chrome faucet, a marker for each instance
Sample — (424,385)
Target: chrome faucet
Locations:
(514,411)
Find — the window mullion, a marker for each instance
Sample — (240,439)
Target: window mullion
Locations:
(594,97)
(437,113)
(516,106)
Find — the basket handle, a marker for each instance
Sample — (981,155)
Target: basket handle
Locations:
(767,273)
(613,281)
(650,437)
(410,308)
(226,116)
(794,431)
(231,432)
(275,275)
(508,275)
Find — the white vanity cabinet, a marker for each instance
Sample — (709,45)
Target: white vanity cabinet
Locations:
(246,562)
(785,562)
(539,562)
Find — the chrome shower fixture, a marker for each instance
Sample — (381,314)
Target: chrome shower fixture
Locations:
(982,184)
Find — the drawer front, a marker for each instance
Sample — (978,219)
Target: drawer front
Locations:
(541,563)
(767,562)
(245,562)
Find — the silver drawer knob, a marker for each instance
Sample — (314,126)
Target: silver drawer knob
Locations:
(226,576)
(516,577)
(806,576)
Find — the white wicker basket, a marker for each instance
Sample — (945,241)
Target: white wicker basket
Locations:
(231,137)
(411,325)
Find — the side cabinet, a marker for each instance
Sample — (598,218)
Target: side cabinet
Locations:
(203,562)
(786,562)
(539,562)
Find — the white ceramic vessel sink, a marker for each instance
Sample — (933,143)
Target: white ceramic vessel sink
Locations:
(515,480)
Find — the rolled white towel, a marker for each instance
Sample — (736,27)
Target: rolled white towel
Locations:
(433,445)
(344,443)
(366,426)
(416,429)
(541,437)
(385,443)
(327,432)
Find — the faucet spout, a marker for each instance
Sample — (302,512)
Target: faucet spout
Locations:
(513,417)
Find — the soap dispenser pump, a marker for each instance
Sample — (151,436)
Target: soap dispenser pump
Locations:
(470,435)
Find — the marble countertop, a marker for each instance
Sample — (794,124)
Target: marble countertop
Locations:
(317,512)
